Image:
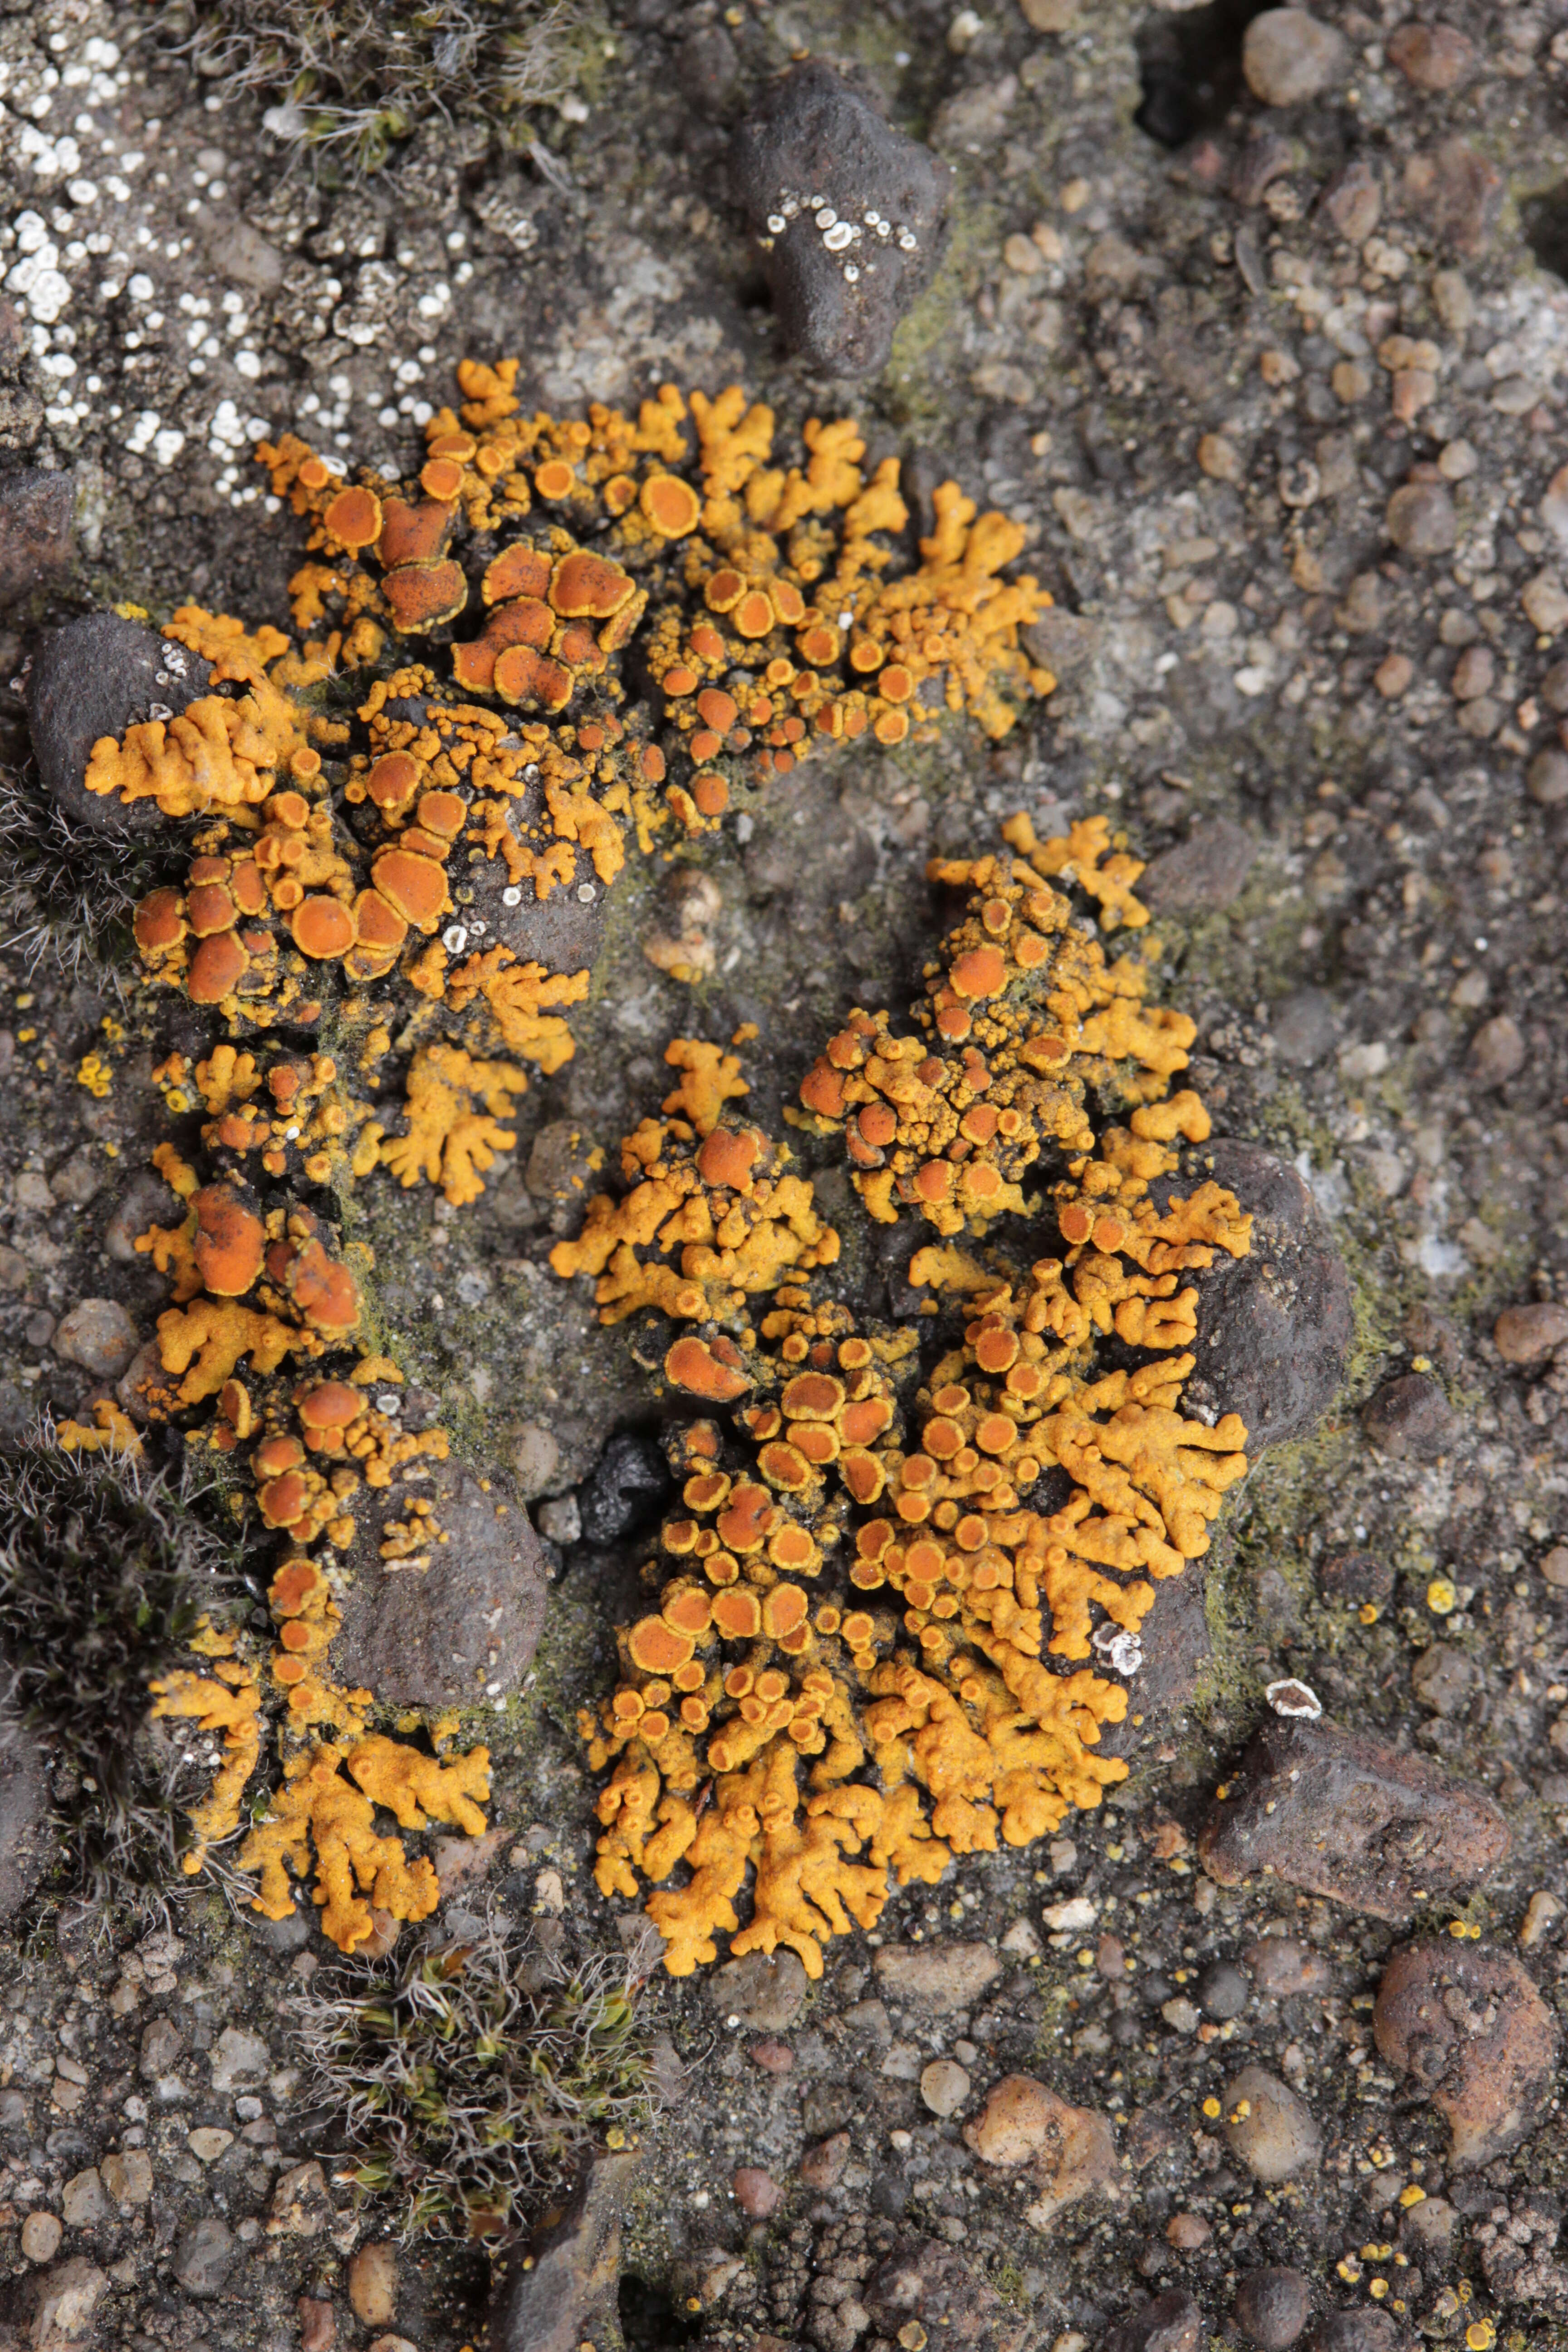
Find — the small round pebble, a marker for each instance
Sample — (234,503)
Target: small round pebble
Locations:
(757,2193)
(1187,2233)
(41,2235)
(1290,56)
(1272,2306)
(1223,1991)
(773,2056)
(1421,520)
(944,2087)
(1267,2127)
(1546,779)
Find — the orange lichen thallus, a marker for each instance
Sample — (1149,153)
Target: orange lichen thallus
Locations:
(848,1676)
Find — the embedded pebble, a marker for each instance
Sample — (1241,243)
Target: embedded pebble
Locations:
(1281,1967)
(923,2292)
(838,297)
(938,1977)
(1223,1991)
(1288,55)
(92,677)
(98,1335)
(1421,520)
(773,2057)
(205,2254)
(1069,2150)
(1409,1419)
(944,2087)
(1343,1814)
(821,2166)
(1523,1334)
(373,2283)
(41,2235)
(757,2193)
(1470,2027)
(1173,2322)
(1272,2307)
(1272,2132)
(763,1990)
(1434,58)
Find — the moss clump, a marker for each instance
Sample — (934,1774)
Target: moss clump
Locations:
(66,893)
(349,80)
(472,2076)
(106,1571)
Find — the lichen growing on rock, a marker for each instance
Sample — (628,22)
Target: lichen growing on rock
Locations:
(876,1556)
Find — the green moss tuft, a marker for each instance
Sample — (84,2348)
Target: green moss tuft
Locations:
(348,81)
(473,2076)
(105,1571)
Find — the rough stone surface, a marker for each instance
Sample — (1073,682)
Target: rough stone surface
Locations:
(96,676)
(431,1636)
(26,1843)
(928,2283)
(1421,520)
(569,2293)
(1524,1334)
(1274,1327)
(1173,2322)
(1303,1027)
(1470,2027)
(1069,2151)
(1272,2131)
(1272,2307)
(1365,2330)
(1202,874)
(69,2296)
(937,1977)
(1409,1419)
(1290,56)
(205,2254)
(764,1990)
(1176,1647)
(98,1335)
(37,536)
(812,135)
(1340,1813)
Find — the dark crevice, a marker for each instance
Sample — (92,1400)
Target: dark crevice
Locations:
(1190,68)
(1544,220)
(650,2321)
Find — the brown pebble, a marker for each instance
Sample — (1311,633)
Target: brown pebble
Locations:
(822,2166)
(1434,58)
(1525,1333)
(757,2193)
(1421,520)
(1497,1052)
(1470,2027)
(373,2283)
(1111,1959)
(1554,1568)
(1546,778)
(1187,2233)
(773,2057)
(317,2324)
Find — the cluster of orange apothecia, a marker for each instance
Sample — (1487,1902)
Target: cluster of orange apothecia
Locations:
(370,816)
(846,1680)
(389,816)
(263,1354)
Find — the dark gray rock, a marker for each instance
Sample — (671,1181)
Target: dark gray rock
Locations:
(1202,873)
(625,1490)
(1303,1027)
(37,533)
(1223,1990)
(467,1624)
(1172,2323)
(1272,2306)
(1176,1648)
(567,2295)
(1343,1814)
(929,2283)
(203,2256)
(1275,1327)
(96,676)
(1409,1419)
(709,71)
(561,931)
(25,1844)
(812,138)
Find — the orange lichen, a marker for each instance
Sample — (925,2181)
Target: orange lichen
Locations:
(724,1209)
(869,1576)
(228,1700)
(456,1105)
